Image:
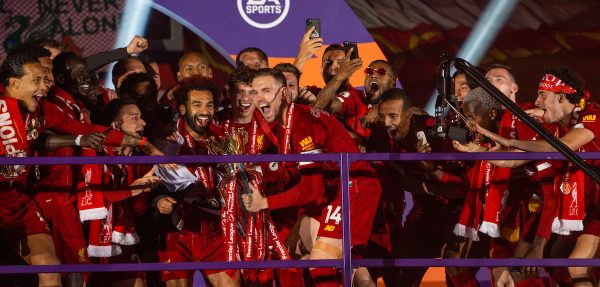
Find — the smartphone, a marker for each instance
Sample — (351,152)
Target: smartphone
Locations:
(347,46)
(314,23)
(421,136)
(458,134)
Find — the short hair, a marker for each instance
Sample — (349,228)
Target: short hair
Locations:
(396,94)
(113,109)
(288,68)
(484,99)
(394,70)
(261,54)
(570,78)
(127,88)
(120,68)
(333,47)
(195,83)
(241,75)
(508,68)
(270,72)
(190,53)
(60,62)
(470,82)
(33,50)
(49,42)
(147,58)
(12,66)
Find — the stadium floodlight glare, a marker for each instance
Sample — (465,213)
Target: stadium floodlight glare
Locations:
(481,37)
(133,22)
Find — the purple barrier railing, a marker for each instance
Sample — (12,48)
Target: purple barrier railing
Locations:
(346,263)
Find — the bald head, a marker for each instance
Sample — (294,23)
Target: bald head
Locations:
(193,63)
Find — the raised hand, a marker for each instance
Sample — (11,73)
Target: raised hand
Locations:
(308,48)
(348,67)
(137,45)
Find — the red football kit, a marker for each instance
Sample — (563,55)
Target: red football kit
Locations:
(354,110)
(528,209)
(312,131)
(53,186)
(274,181)
(199,237)
(22,129)
(588,118)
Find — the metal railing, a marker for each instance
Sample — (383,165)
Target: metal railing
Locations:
(346,263)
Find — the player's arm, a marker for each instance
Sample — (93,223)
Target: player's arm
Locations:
(309,189)
(575,139)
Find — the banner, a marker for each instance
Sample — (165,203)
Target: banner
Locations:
(86,26)
(275,26)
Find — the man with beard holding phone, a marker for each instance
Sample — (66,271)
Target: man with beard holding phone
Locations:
(352,106)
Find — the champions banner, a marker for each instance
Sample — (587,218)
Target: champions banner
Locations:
(85,26)
(275,26)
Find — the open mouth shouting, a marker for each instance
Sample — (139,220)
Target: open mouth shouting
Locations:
(245,107)
(374,87)
(392,131)
(34,102)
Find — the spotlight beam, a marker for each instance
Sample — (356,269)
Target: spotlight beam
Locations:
(482,36)
(133,22)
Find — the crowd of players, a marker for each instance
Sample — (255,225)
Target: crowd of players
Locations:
(52,104)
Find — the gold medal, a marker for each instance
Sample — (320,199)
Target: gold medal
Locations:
(565,187)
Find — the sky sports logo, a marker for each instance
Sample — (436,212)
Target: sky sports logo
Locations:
(262,7)
(263,14)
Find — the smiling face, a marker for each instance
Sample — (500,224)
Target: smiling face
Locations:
(30,87)
(267,95)
(130,120)
(242,105)
(461,88)
(192,64)
(78,79)
(47,68)
(199,110)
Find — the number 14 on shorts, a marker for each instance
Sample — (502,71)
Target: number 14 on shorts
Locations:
(333,214)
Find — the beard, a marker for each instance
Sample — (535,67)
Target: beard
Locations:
(194,125)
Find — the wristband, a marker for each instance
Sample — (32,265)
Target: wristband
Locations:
(142,142)
(78,140)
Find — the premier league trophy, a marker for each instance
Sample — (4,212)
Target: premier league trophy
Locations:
(247,235)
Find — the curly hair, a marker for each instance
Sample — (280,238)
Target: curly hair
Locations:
(195,83)
(241,75)
(486,102)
